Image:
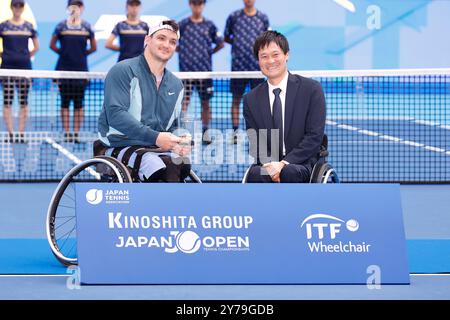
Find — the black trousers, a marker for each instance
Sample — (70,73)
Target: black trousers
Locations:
(291,173)
(172,172)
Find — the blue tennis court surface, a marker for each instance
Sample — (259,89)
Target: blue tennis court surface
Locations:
(422,287)
(33,256)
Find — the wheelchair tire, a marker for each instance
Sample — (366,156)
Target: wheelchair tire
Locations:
(326,174)
(61,218)
(319,171)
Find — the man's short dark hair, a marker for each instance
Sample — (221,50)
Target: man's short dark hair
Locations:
(265,38)
(173,24)
(197,1)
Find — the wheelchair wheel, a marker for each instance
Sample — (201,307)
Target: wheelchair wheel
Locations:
(324,173)
(61,218)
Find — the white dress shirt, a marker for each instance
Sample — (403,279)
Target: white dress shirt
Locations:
(283,86)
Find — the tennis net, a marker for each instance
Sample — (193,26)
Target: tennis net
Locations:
(382,125)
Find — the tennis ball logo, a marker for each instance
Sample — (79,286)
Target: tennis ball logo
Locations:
(352,225)
(188,242)
(94,196)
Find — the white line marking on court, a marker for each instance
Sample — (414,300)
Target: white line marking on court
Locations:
(346,4)
(68,275)
(414,144)
(347,127)
(432,124)
(429,274)
(371,118)
(434,149)
(331,120)
(370,133)
(389,137)
(32,275)
(426,122)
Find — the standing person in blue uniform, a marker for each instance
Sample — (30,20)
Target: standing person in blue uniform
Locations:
(15,34)
(241,29)
(291,104)
(198,35)
(131,33)
(73,35)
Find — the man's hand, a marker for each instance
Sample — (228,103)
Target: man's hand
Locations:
(167,141)
(274,170)
(183,148)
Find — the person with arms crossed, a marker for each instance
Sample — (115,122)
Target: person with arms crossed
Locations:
(141,109)
(287,104)
(131,33)
(195,49)
(73,35)
(15,34)
(241,29)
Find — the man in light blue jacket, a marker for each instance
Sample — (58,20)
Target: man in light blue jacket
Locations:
(141,109)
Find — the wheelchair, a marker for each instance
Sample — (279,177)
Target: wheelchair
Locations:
(61,218)
(322,172)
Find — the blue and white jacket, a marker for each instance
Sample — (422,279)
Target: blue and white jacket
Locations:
(134,110)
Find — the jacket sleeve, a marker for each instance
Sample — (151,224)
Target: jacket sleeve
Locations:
(314,129)
(252,130)
(117,104)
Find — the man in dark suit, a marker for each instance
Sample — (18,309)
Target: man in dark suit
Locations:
(285,117)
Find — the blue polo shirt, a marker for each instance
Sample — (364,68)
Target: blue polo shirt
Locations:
(16,54)
(243,31)
(131,38)
(73,45)
(195,45)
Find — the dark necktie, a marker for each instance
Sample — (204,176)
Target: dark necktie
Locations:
(277,117)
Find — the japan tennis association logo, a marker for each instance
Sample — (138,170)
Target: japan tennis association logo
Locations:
(94,196)
(186,242)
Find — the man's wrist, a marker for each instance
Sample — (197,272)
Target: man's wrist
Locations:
(284,162)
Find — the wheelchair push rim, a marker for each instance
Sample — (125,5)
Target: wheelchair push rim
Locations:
(55,221)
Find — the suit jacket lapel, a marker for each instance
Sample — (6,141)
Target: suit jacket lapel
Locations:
(265,106)
(291,92)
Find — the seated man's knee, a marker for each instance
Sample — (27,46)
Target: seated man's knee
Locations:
(294,174)
(185,171)
(155,177)
(258,174)
(175,171)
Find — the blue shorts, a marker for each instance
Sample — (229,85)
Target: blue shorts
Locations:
(237,86)
(205,88)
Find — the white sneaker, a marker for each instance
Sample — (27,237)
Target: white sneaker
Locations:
(206,138)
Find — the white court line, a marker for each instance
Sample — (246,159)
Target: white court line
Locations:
(71,156)
(347,127)
(429,123)
(68,275)
(432,124)
(426,122)
(32,275)
(429,274)
(371,118)
(389,138)
(370,133)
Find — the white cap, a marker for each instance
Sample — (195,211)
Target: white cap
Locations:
(158,24)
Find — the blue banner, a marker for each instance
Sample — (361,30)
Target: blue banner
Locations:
(240,234)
